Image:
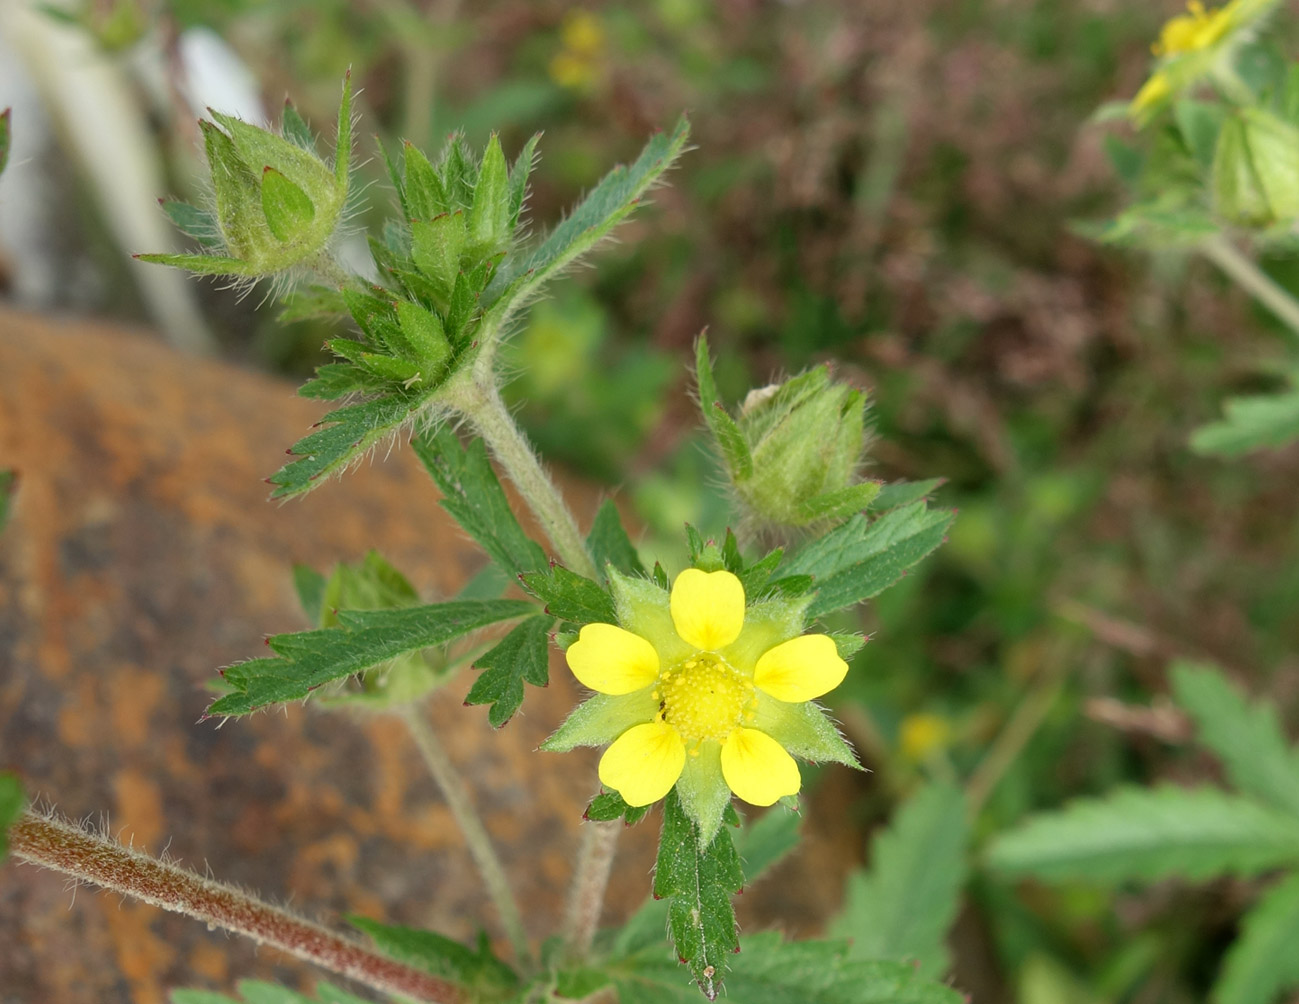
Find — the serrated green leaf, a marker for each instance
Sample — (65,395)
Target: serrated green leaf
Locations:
(337,380)
(347,435)
(477,969)
(363,639)
(8,489)
(473,495)
(902,493)
(607,205)
(609,805)
(862,558)
(1262,962)
(195,222)
(609,544)
(755,577)
(900,909)
(730,440)
(771,970)
(12,804)
(570,597)
(286,206)
(841,502)
(763,843)
(1251,423)
(1139,834)
(1245,736)
(522,656)
(699,884)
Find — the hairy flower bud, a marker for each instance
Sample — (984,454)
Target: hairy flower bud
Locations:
(1256,169)
(793,450)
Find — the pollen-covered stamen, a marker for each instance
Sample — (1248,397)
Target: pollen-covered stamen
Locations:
(704,697)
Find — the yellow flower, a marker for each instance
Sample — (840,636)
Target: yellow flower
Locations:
(922,735)
(695,690)
(1196,29)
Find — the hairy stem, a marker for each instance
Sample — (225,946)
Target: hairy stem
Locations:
(1246,274)
(471,825)
(91,858)
(481,403)
(586,898)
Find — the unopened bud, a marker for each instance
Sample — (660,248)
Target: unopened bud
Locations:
(1256,169)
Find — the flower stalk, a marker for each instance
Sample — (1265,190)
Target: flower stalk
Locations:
(87,857)
(586,897)
(1253,280)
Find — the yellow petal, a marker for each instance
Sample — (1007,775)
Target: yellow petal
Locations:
(757,768)
(800,669)
(644,763)
(707,608)
(611,660)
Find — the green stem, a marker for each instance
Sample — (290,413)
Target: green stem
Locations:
(471,825)
(480,402)
(586,897)
(1246,274)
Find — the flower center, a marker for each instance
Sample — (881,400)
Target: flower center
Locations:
(704,697)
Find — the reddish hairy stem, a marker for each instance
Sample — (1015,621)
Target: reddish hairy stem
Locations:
(91,858)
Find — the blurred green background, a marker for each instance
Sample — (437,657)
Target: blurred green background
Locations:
(888,185)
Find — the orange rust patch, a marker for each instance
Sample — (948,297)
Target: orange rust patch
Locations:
(141,955)
(139,807)
(138,694)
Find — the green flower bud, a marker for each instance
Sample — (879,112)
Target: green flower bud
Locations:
(793,451)
(277,204)
(1256,169)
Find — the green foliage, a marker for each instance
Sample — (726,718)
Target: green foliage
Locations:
(522,656)
(763,843)
(1245,736)
(699,883)
(609,805)
(904,904)
(259,992)
(570,597)
(362,639)
(774,971)
(903,493)
(1142,835)
(609,544)
(6,119)
(12,804)
(1262,961)
(1251,423)
(863,557)
(474,497)
(485,976)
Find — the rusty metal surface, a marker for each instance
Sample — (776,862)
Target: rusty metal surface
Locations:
(141,555)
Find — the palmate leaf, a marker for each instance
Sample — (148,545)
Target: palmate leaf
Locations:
(862,557)
(773,971)
(1251,423)
(259,992)
(477,969)
(1145,834)
(521,657)
(900,909)
(473,495)
(570,597)
(1246,736)
(362,639)
(521,278)
(699,885)
(346,435)
(1262,961)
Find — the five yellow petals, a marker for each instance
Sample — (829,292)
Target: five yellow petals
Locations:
(707,610)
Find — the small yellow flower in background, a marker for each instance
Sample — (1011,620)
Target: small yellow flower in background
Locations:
(922,735)
(697,691)
(1190,46)
(579,64)
(1196,29)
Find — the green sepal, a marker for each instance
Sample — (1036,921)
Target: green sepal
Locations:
(295,128)
(705,795)
(203,264)
(237,191)
(343,136)
(195,222)
(424,340)
(400,371)
(436,247)
(601,719)
(804,730)
(424,196)
(520,657)
(699,884)
(847,645)
(641,606)
(287,208)
(489,219)
(519,178)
